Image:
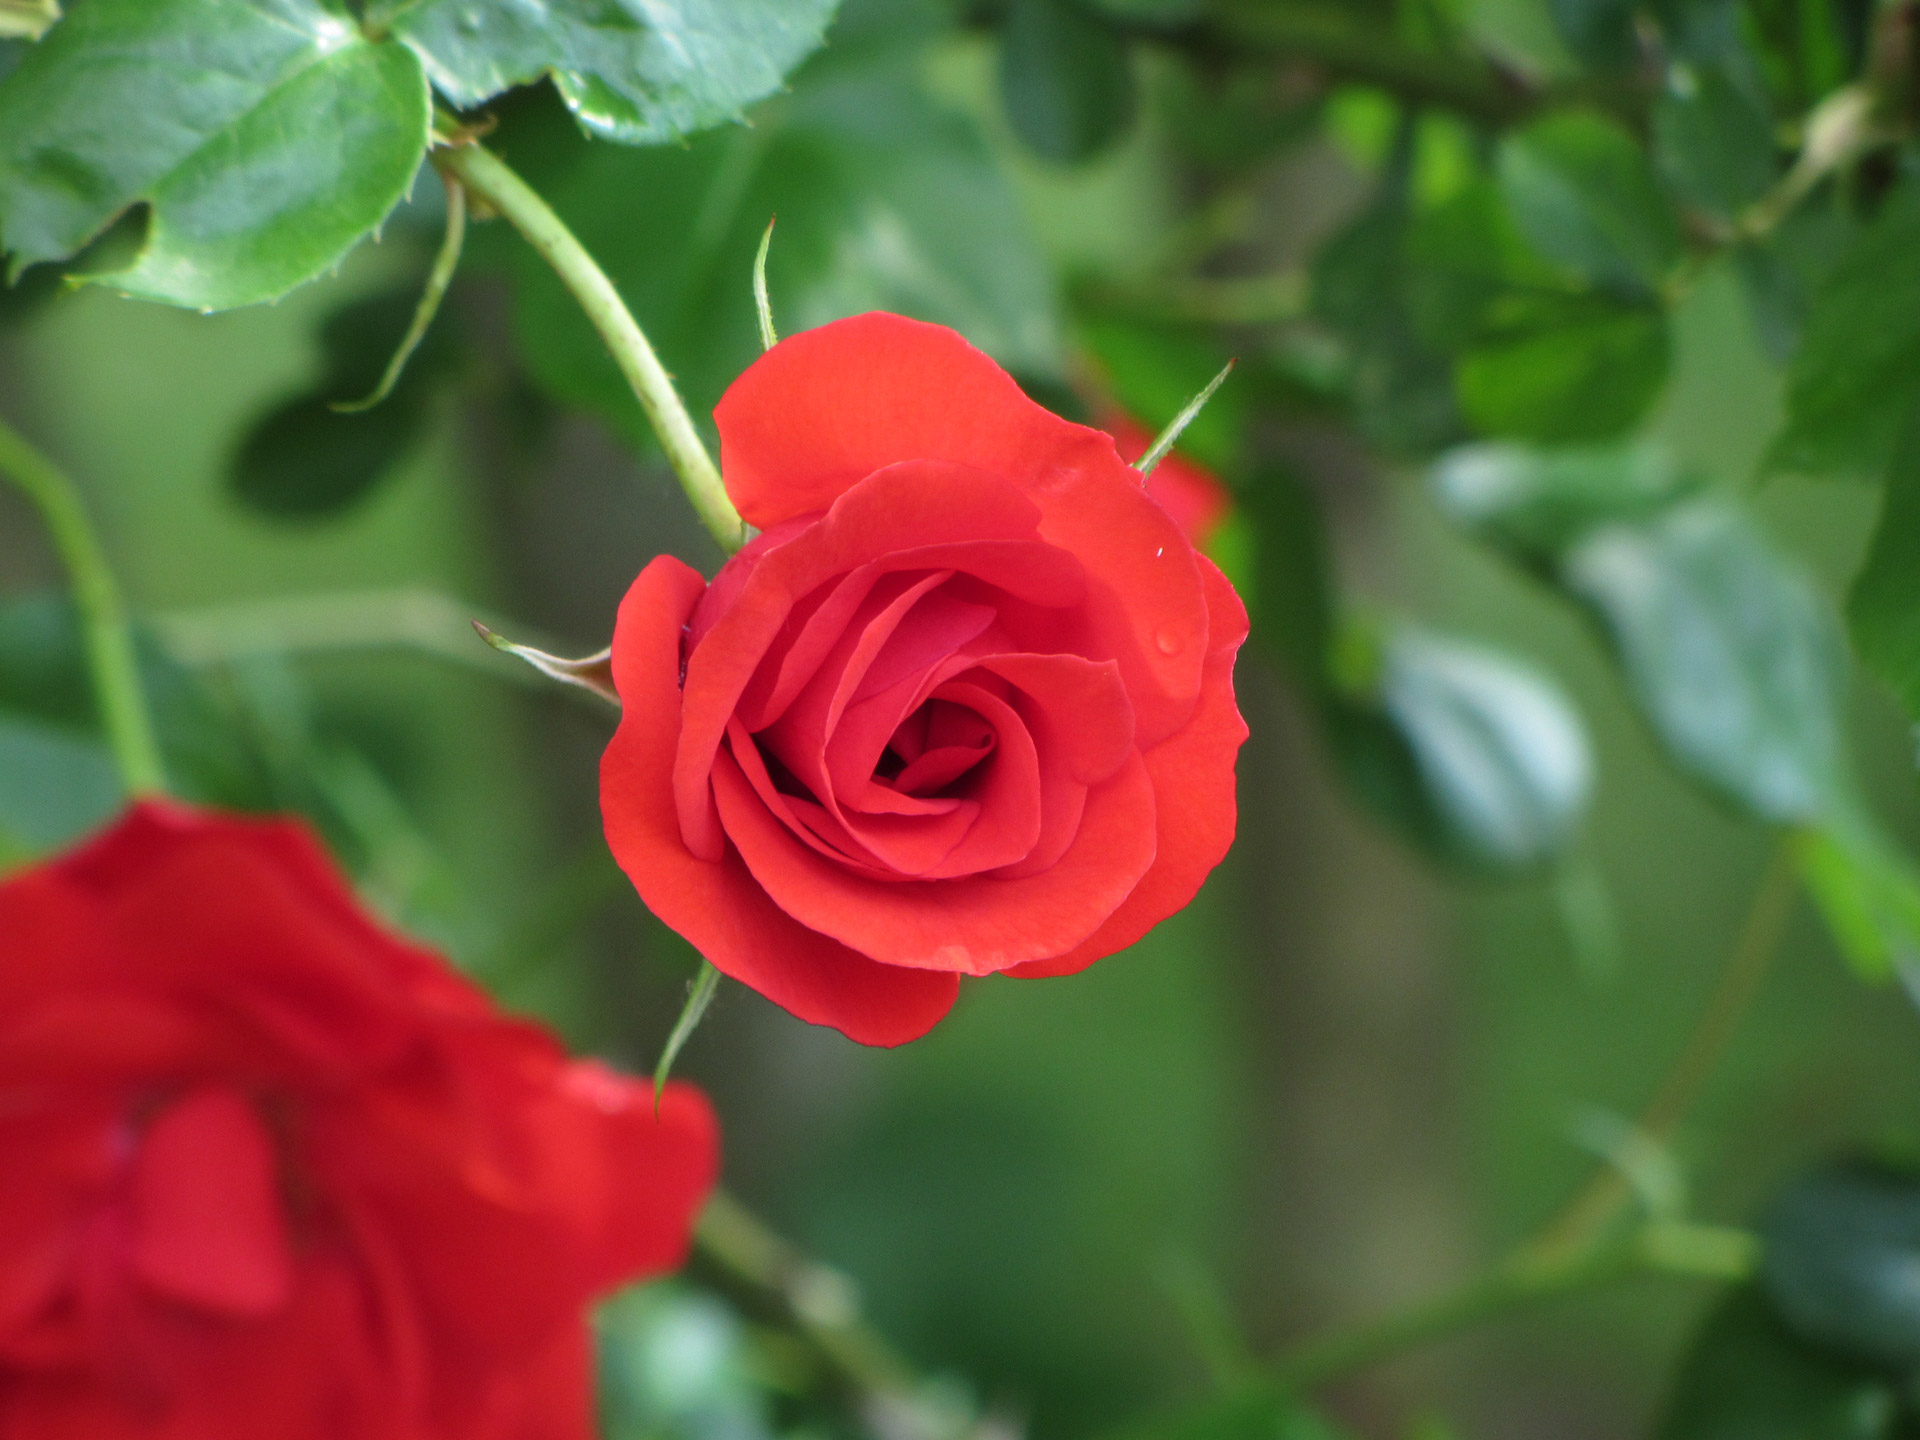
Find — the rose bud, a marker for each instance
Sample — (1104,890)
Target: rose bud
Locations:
(273,1172)
(964,707)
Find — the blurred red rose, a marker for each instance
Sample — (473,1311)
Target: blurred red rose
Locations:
(966,705)
(1190,493)
(273,1174)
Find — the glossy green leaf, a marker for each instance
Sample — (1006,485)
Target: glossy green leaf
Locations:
(640,71)
(1714,139)
(1535,503)
(1583,194)
(1501,751)
(1065,79)
(1729,651)
(1746,1377)
(1883,609)
(1842,1254)
(1868,890)
(1560,371)
(1858,366)
(294,140)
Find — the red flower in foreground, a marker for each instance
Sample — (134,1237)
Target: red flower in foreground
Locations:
(966,705)
(273,1174)
(1190,493)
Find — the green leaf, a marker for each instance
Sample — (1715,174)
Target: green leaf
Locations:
(884,200)
(1868,889)
(1535,503)
(1584,196)
(1729,651)
(295,138)
(1252,1414)
(1746,1377)
(55,784)
(644,72)
(1842,1250)
(306,460)
(1065,79)
(1500,750)
(1292,600)
(1562,370)
(27,19)
(1600,32)
(1858,367)
(1715,140)
(1883,609)
(1151,12)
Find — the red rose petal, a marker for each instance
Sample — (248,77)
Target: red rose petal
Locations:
(718,906)
(826,408)
(1194,780)
(209,1227)
(973,926)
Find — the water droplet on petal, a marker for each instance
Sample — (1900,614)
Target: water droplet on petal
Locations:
(1168,642)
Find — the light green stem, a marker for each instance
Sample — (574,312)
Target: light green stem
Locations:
(488,178)
(109,641)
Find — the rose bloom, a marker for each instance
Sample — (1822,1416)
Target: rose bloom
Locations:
(273,1174)
(964,707)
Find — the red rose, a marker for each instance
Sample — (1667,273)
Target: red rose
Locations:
(1190,493)
(273,1174)
(964,707)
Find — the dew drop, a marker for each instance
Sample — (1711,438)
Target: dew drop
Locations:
(1168,642)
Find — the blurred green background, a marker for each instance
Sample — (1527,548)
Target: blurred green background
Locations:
(1345,1078)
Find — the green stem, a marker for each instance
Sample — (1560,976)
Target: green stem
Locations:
(1698,1251)
(109,641)
(819,1302)
(488,178)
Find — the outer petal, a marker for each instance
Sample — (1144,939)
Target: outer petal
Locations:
(718,905)
(824,409)
(1193,784)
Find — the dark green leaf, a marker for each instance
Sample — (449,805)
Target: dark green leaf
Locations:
(1535,503)
(1468,257)
(1842,1254)
(1715,140)
(1600,32)
(1584,196)
(1564,371)
(293,140)
(306,460)
(639,71)
(1255,1414)
(1292,602)
(1747,1378)
(1883,610)
(1151,12)
(1065,79)
(1500,750)
(1858,367)
(1730,652)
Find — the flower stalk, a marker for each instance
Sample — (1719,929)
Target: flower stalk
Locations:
(488,178)
(111,662)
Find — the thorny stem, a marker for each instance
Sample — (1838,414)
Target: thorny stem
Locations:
(489,178)
(109,642)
